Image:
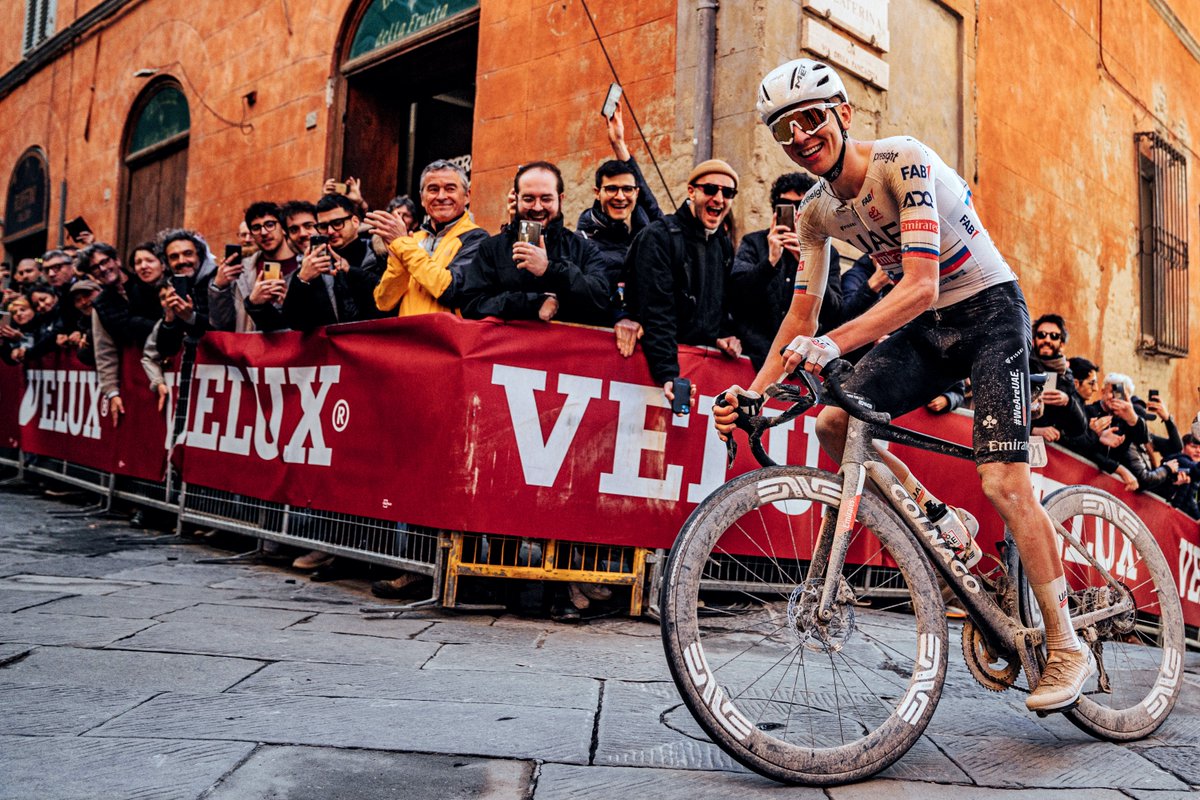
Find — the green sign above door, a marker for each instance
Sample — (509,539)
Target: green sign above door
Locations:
(389,21)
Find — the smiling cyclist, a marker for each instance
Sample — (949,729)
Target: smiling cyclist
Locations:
(956,311)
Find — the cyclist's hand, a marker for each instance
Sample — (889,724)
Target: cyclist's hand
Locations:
(809,353)
(727,404)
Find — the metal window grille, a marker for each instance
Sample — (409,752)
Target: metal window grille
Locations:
(39,22)
(1162,246)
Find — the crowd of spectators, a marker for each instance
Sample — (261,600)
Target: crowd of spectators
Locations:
(656,278)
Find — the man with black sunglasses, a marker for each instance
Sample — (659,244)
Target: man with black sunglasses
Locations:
(678,273)
(1063,413)
(955,311)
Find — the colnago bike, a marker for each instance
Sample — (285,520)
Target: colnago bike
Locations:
(831,662)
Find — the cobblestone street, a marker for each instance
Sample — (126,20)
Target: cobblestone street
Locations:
(129,670)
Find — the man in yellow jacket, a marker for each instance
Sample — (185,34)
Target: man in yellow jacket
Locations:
(418,271)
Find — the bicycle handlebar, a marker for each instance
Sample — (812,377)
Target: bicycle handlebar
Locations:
(755,424)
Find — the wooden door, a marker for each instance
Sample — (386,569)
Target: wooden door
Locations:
(154,200)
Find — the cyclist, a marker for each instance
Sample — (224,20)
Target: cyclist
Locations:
(956,311)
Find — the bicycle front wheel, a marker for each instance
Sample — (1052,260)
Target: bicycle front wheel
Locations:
(790,695)
(1109,556)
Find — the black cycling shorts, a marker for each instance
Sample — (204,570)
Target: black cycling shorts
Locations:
(985,337)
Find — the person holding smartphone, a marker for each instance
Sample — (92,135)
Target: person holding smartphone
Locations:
(1063,414)
(558,276)
(1114,426)
(230,307)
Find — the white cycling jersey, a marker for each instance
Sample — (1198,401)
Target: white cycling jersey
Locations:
(910,204)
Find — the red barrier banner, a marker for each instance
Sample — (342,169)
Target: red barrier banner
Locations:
(62,414)
(12,386)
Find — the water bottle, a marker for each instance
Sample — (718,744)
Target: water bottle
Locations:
(955,533)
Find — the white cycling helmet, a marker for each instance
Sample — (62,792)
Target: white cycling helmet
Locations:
(799,81)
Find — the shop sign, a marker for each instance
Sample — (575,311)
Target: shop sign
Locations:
(389,21)
(28,203)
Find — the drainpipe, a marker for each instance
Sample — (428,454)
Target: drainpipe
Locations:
(705,72)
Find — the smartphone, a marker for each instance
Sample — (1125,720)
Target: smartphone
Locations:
(77,226)
(529,231)
(232,250)
(181,284)
(1153,394)
(611,100)
(785,215)
(682,404)
(1051,384)
(271,271)
(6,320)
(339,187)
(1118,391)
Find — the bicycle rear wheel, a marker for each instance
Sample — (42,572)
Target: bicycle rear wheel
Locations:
(793,698)
(1140,652)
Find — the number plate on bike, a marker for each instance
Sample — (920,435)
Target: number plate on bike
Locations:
(1037,452)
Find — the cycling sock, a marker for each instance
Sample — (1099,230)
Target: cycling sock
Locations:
(1052,598)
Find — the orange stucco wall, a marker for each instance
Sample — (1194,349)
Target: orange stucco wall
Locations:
(1057,168)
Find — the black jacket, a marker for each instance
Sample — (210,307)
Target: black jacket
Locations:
(366,268)
(613,238)
(491,284)
(1108,458)
(678,303)
(1070,420)
(130,316)
(761,293)
(325,300)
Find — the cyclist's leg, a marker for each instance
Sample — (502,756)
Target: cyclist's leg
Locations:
(1000,381)
(900,374)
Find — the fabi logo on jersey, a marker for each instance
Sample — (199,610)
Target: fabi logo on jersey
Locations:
(63,401)
(917,200)
(965,222)
(916,171)
(276,393)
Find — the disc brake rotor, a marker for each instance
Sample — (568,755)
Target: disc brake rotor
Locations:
(813,633)
(993,672)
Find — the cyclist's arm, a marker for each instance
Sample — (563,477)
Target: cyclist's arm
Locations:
(914,294)
(811,275)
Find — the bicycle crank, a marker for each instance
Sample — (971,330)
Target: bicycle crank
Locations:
(994,672)
(803,619)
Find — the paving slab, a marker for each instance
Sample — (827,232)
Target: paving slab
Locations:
(307,773)
(622,658)
(186,574)
(74,768)
(117,606)
(1150,794)
(566,782)
(401,683)
(34,627)
(10,653)
(144,671)
(1005,762)
(511,731)
(647,725)
(296,599)
(64,585)
(66,710)
(73,566)
(1182,762)
(16,600)
(358,625)
(217,639)
(898,790)
(250,616)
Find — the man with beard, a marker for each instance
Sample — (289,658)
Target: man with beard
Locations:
(558,277)
(680,272)
(349,252)
(1063,413)
(237,279)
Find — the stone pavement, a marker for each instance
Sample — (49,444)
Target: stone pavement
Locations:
(128,670)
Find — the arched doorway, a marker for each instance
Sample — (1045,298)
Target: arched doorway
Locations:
(407,94)
(156,144)
(27,206)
